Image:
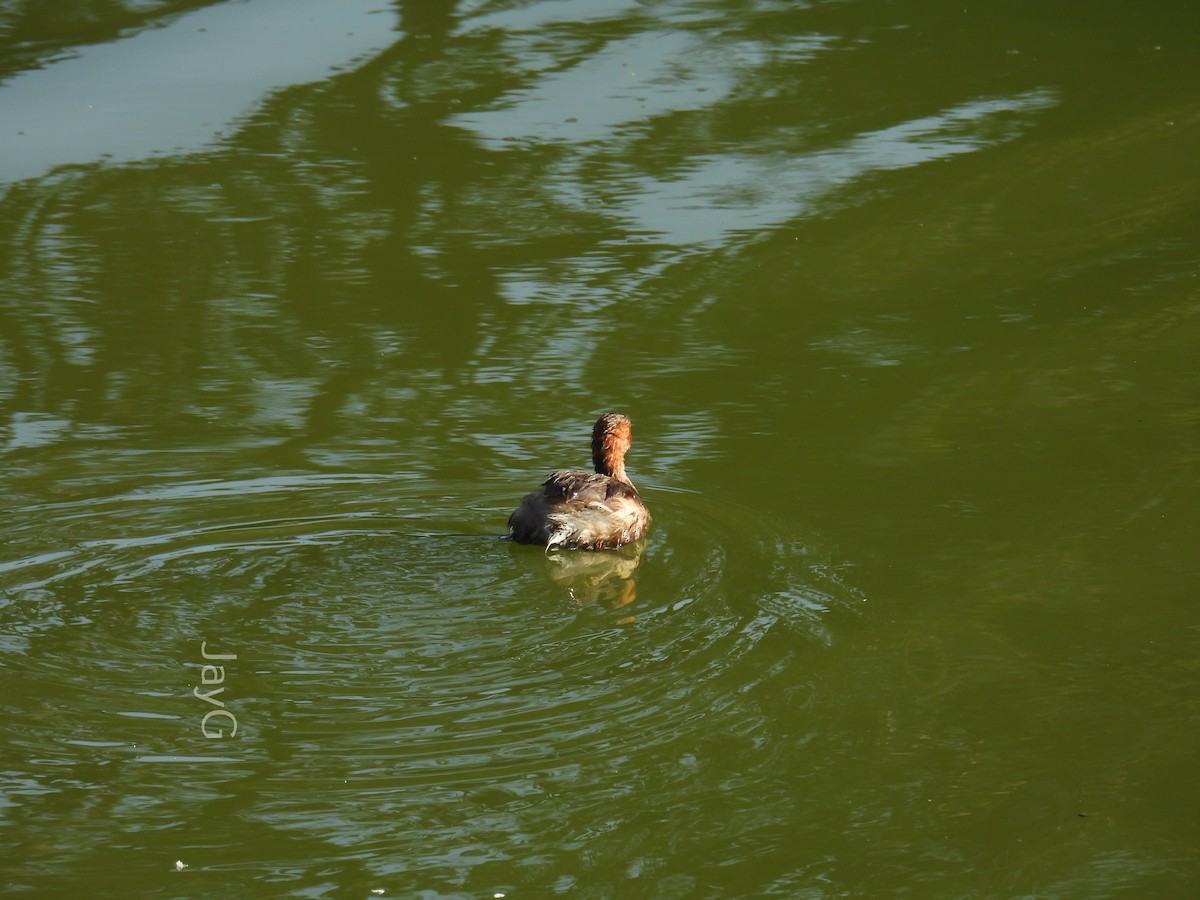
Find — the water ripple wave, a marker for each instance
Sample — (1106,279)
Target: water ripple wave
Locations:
(411,656)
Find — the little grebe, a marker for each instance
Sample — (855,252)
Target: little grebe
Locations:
(579,510)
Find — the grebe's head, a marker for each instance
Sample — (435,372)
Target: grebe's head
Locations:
(611,438)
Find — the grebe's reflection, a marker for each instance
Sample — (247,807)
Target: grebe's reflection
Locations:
(604,577)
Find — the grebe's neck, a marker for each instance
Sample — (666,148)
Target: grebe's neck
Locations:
(610,439)
(608,456)
(615,470)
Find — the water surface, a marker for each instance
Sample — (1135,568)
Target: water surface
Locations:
(903,301)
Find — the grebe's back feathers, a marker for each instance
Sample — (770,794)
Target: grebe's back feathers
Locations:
(575,485)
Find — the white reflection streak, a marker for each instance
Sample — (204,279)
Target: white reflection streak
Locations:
(622,87)
(720,196)
(173,89)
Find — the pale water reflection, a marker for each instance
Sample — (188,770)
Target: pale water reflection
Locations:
(177,88)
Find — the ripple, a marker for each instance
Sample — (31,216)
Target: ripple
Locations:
(413,657)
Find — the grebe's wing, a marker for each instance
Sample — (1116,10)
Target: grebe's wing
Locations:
(584,488)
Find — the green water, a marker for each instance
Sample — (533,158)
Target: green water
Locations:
(297,299)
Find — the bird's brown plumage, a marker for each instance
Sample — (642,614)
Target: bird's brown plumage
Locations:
(579,510)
